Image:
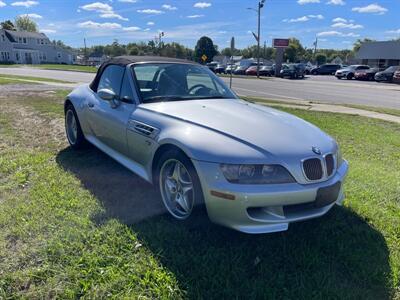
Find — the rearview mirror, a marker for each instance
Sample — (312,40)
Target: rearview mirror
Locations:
(106,94)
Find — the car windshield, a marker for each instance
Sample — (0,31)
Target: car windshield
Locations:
(159,82)
(392,69)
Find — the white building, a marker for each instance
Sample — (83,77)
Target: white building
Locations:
(23,47)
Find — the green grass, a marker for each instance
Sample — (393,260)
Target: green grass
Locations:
(63,234)
(7,79)
(56,67)
(389,111)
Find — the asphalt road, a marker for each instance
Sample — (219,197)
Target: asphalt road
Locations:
(325,89)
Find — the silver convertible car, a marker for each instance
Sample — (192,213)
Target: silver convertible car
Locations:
(177,125)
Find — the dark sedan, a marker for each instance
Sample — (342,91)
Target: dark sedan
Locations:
(267,71)
(292,71)
(368,74)
(386,75)
(327,69)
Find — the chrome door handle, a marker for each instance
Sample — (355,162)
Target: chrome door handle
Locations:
(91,105)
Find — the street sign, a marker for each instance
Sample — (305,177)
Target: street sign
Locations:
(280,43)
(204,57)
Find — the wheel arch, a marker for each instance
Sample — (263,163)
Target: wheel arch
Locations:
(157,155)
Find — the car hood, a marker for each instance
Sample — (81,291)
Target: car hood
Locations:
(385,73)
(257,126)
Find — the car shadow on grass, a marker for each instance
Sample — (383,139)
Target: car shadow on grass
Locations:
(337,256)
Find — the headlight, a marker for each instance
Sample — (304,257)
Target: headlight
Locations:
(256,174)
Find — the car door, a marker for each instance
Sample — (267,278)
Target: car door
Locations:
(108,120)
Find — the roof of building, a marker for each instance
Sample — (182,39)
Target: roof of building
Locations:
(379,50)
(126,60)
(25,34)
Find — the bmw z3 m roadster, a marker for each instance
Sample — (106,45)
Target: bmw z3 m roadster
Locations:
(177,125)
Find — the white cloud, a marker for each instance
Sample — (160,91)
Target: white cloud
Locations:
(27,4)
(336,2)
(95,25)
(150,24)
(347,25)
(169,7)
(339,20)
(33,16)
(127,1)
(371,9)
(48,31)
(98,7)
(195,16)
(132,28)
(301,2)
(304,18)
(202,5)
(106,11)
(337,33)
(113,15)
(150,11)
(394,31)
(2,4)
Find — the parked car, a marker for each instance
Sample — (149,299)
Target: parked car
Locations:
(368,74)
(241,70)
(396,77)
(386,75)
(220,69)
(349,71)
(267,71)
(212,66)
(293,71)
(179,126)
(252,70)
(327,69)
(230,68)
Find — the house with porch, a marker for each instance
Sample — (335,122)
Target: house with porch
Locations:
(23,47)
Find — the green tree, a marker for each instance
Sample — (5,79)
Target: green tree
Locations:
(320,58)
(24,23)
(205,46)
(295,52)
(7,25)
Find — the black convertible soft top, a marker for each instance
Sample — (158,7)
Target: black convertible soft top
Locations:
(126,60)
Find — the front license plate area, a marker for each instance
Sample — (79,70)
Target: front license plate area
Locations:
(327,195)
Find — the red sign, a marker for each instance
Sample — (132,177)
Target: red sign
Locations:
(280,43)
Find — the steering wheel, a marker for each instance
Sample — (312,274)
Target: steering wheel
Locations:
(197,86)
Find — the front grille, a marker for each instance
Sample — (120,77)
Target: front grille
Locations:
(313,169)
(330,164)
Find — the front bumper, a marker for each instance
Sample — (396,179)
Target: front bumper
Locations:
(263,208)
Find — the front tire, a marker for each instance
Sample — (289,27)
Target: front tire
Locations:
(179,184)
(73,129)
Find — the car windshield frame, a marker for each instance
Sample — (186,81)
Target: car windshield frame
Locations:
(170,98)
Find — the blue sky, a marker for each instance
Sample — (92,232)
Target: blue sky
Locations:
(337,23)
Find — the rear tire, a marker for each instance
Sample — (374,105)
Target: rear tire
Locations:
(349,76)
(73,129)
(178,184)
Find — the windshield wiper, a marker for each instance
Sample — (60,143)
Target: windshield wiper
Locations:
(164,98)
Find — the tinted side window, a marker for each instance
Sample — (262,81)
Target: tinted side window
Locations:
(111,78)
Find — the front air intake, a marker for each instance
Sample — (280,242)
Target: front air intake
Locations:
(313,169)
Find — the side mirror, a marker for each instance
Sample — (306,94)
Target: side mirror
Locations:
(106,94)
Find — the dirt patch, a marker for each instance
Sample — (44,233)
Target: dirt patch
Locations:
(123,194)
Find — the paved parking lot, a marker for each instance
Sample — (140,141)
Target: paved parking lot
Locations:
(325,89)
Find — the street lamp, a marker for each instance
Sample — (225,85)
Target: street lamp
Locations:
(257,37)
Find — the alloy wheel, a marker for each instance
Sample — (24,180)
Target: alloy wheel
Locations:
(176,187)
(71,127)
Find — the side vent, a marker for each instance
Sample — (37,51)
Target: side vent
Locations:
(143,129)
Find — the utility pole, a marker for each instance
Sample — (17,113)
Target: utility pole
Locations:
(315,48)
(85,51)
(257,36)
